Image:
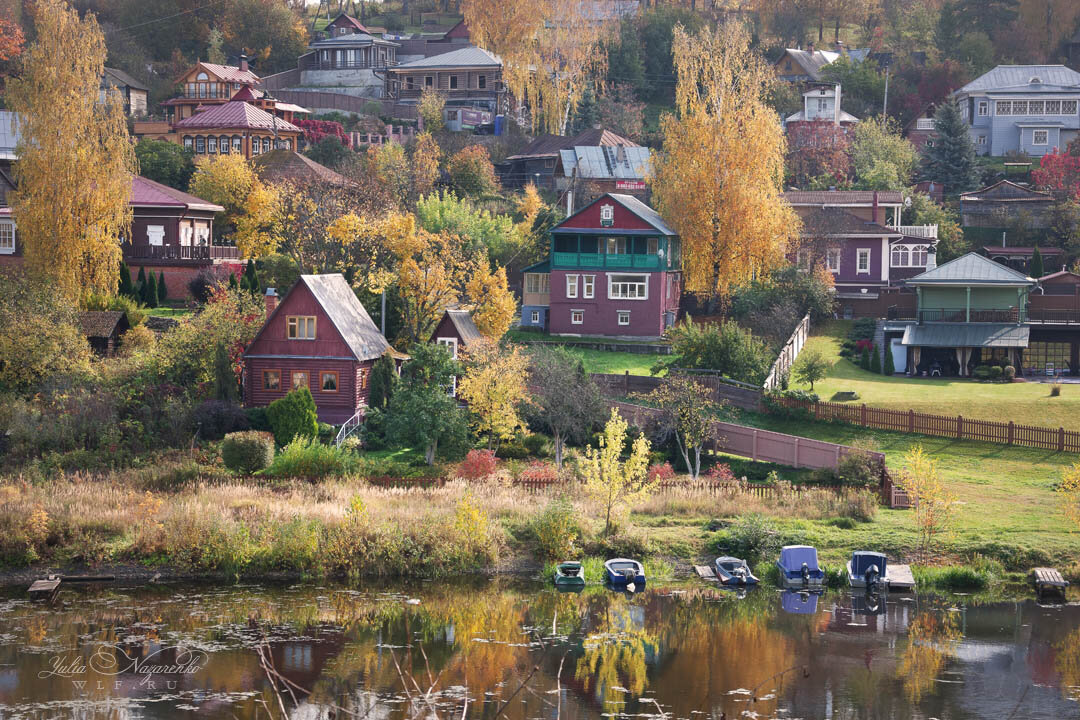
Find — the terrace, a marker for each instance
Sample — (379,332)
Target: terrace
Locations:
(620,253)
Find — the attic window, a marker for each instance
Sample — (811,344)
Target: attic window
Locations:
(1035,81)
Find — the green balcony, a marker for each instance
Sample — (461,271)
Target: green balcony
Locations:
(563,260)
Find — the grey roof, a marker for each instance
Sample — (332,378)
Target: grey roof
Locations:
(843,197)
(338,300)
(1005,191)
(967,335)
(470,56)
(844,117)
(972,269)
(122,78)
(9,135)
(466,328)
(603,163)
(837,222)
(358,39)
(813,62)
(1015,77)
(643,211)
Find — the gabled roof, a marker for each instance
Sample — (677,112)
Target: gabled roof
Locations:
(606,163)
(1005,191)
(357,39)
(102,323)
(465,327)
(1060,275)
(812,62)
(345,312)
(635,206)
(550,145)
(122,78)
(470,56)
(231,73)
(236,114)
(844,117)
(834,221)
(350,21)
(147,193)
(843,197)
(972,269)
(1017,77)
(279,165)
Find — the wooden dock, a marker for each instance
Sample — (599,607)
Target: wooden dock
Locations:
(45,589)
(705,572)
(901,579)
(1048,581)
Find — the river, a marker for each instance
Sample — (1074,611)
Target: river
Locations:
(521,650)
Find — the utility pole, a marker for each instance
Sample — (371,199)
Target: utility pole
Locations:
(885,105)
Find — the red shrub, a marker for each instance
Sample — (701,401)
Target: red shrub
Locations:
(316,130)
(661,473)
(477,465)
(720,472)
(860,344)
(539,472)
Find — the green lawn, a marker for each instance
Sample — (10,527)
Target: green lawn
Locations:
(1022,402)
(176,313)
(1008,504)
(600,361)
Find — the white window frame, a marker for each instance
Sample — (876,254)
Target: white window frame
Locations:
(540,283)
(984,108)
(1035,133)
(607,212)
(155,235)
(449,342)
(577,317)
(616,246)
(7,237)
(588,286)
(981,140)
(621,314)
(832,259)
(187,232)
(863,254)
(643,280)
(534,316)
(572,287)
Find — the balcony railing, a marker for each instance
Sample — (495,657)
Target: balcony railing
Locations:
(1041,316)
(921,231)
(349,64)
(181,252)
(959,315)
(604,260)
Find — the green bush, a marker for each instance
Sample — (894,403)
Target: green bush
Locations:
(308,458)
(247,452)
(982,372)
(864,360)
(621,544)
(537,445)
(875,359)
(327,433)
(751,537)
(258,419)
(293,416)
(513,450)
(557,530)
(1009,373)
(996,372)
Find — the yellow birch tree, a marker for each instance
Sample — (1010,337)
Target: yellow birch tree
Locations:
(1070,493)
(934,503)
(494,386)
(608,479)
(719,178)
(75,157)
(551,50)
(425,165)
(493,303)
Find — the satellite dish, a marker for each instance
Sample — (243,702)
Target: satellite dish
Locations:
(907,202)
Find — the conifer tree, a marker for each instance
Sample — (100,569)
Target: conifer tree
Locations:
(952,160)
(162,290)
(1036,264)
(383,381)
(890,366)
(149,295)
(864,361)
(226,388)
(233,285)
(252,277)
(125,287)
(140,282)
(875,360)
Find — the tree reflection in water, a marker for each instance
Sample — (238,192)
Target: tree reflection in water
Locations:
(932,639)
(1067,664)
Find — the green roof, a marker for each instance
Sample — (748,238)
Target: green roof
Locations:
(967,335)
(540,267)
(972,269)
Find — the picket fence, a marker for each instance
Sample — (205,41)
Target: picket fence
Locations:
(947,426)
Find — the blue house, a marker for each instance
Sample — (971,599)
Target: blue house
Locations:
(1025,108)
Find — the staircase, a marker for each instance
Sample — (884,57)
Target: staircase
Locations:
(350,426)
(879,341)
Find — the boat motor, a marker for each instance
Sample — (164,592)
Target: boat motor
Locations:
(872,576)
(739,574)
(805,573)
(628,575)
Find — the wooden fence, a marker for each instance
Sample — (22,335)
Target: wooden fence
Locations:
(948,426)
(719,488)
(788,353)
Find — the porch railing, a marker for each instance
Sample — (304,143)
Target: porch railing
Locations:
(920,231)
(1041,316)
(181,252)
(600,260)
(959,315)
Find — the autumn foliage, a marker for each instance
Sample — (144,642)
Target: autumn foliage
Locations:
(1059,172)
(316,130)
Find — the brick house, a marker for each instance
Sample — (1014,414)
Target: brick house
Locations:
(614,270)
(319,337)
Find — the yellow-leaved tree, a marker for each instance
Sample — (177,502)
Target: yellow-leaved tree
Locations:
(551,50)
(494,386)
(718,179)
(425,165)
(257,229)
(429,280)
(493,303)
(1070,493)
(934,502)
(75,157)
(608,479)
(230,181)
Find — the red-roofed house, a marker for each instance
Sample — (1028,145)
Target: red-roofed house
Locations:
(239,126)
(209,84)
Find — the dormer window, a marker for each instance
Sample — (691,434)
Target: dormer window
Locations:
(1035,81)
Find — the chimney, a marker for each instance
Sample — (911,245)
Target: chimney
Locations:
(243,62)
(620,154)
(839,46)
(810,47)
(931,257)
(876,208)
(271,301)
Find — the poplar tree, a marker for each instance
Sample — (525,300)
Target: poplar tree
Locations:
(76,160)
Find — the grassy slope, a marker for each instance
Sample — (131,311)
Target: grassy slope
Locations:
(1006,493)
(600,361)
(1023,403)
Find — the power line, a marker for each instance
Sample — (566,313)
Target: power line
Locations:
(169,17)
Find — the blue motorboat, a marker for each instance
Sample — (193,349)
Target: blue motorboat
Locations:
(622,572)
(799,603)
(733,571)
(868,570)
(799,567)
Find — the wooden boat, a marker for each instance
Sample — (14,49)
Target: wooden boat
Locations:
(733,571)
(622,572)
(569,574)
(868,570)
(799,567)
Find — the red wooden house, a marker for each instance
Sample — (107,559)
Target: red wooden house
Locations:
(319,337)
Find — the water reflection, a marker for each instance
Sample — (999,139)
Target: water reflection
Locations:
(521,651)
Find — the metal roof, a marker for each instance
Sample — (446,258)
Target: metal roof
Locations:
(544,266)
(550,145)
(837,222)
(813,62)
(470,56)
(147,193)
(972,269)
(606,162)
(357,39)
(231,73)
(967,335)
(843,197)
(236,114)
(1014,77)
(340,304)
(643,211)
(122,78)
(844,117)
